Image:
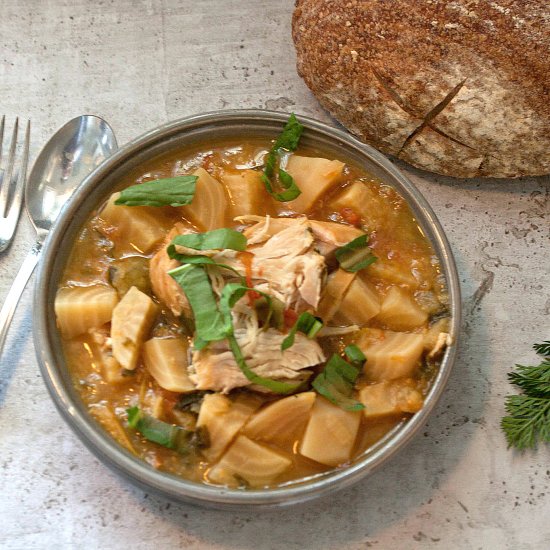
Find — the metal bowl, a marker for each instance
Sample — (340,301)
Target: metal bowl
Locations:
(97,186)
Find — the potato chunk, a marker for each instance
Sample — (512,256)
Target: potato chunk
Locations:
(166,360)
(137,225)
(80,309)
(281,422)
(223,418)
(399,311)
(132,319)
(207,210)
(333,293)
(392,397)
(249,462)
(314,177)
(360,304)
(390,355)
(330,433)
(246,192)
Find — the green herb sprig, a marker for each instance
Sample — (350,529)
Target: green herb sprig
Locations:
(306,323)
(528,418)
(177,191)
(287,141)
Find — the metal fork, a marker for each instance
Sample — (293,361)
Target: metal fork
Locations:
(12,183)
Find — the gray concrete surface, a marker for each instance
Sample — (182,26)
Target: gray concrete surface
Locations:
(141,63)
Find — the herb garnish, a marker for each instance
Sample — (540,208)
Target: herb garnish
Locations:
(217,239)
(528,420)
(287,141)
(337,381)
(177,191)
(306,323)
(168,435)
(355,255)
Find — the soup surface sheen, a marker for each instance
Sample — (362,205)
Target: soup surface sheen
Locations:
(129,338)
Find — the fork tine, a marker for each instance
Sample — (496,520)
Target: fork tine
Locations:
(4,191)
(2,136)
(15,206)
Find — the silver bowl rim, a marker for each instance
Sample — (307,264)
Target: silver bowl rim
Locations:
(136,470)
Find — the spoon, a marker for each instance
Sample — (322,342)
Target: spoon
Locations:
(70,155)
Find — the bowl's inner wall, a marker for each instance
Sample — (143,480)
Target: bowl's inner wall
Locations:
(180,137)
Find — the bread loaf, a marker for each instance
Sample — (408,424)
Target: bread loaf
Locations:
(457,87)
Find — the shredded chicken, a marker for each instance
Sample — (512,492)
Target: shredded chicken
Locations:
(214,368)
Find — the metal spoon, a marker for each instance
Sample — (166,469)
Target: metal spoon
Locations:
(71,154)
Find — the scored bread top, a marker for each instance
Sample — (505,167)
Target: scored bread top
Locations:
(455,87)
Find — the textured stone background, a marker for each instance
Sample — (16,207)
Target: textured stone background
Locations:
(142,63)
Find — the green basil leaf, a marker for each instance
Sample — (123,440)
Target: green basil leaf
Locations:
(288,140)
(199,260)
(209,322)
(336,383)
(273,385)
(290,136)
(177,191)
(217,239)
(306,323)
(355,255)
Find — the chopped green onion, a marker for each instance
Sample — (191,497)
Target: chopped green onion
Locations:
(306,323)
(355,255)
(336,383)
(217,239)
(288,140)
(273,385)
(209,322)
(355,355)
(177,191)
(170,436)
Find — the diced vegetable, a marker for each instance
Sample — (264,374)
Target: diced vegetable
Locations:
(105,415)
(246,192)
(330,433)
(138,226)
(250,463)
(333,293)
(207,210)
(79,309)
(360,304)
(223,418)
(399,311)
(390,355)
(314,177)
(128,272)
(166,361)
(281,422)
(132,319)
(390,271)
(391,397)
(164,192)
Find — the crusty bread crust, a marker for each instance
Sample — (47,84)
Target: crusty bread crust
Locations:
(457,87)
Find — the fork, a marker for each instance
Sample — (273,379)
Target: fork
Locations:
(12,183)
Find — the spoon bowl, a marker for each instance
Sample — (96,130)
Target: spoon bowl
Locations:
(72,153)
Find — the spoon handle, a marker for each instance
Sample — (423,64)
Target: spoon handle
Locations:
(14,293)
